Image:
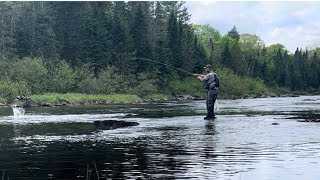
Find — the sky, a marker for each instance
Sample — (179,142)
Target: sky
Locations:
(290,23)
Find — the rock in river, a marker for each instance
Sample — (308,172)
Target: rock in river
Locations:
(113,124)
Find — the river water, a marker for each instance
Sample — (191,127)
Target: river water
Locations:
(250,139)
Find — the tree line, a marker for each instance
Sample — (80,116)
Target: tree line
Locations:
(98,47)
(248,56)
(100,33)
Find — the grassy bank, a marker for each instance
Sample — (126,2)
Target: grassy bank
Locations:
(53,99)
(232,86)
(78,98)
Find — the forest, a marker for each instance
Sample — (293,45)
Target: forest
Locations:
(99,48)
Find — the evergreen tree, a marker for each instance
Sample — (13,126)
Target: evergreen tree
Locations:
(233,33)
(35,32)
(313,74)
(67,28)
(296,72)
(212,51)
(237,61)
(286,69)
(161,50)
(174,40)
(123,49)
(226,54)
(7,29)
(199,57)
(263,61)
(140,39)
(96,43)
(281,68)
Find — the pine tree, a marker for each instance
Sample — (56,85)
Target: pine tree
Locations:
(199,57)
(123,49)
(140,39)
(174,40)
(312,72)
(296,72)
(7,30)
(238,63)
(233,33)
(35,32)
(96,38)
(161,49)
(212,60)
(67,28)
(226,54)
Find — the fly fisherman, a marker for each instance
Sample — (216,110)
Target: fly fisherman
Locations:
(211,84)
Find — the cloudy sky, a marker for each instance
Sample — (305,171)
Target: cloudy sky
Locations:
(291,23)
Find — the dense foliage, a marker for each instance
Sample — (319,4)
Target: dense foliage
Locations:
(247,56)
(98,48)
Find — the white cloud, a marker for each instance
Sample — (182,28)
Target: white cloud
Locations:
(293,24)
(276,32)
(293,37)
(301,13)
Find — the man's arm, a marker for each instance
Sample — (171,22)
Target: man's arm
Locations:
(197,75)
(200,77)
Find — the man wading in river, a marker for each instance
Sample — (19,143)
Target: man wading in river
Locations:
(211,84)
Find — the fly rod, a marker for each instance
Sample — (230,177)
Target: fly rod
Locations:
(168,65)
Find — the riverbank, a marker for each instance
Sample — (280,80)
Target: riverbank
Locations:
(70,99)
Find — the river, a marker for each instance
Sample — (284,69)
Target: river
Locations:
(250,139)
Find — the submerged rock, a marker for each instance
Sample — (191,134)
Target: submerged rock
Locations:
(307,117)
(113,124)
(309,120)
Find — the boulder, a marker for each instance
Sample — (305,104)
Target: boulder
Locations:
(113,124)
(25,101)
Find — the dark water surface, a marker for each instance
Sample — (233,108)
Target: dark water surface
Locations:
(172,141)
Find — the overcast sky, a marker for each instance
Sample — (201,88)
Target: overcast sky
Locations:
(291,23)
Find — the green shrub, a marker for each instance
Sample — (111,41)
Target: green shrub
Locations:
(110,82)
(256,86)
(189,86)
(85,80)
(145,85)
(88,85)
(62,78)
(234,86)
(10,90)
(32,71)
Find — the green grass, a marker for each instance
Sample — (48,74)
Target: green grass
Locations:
(77,98)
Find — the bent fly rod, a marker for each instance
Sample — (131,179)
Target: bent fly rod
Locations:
(168,65)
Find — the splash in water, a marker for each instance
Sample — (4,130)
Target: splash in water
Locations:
(17,111)
(216,106)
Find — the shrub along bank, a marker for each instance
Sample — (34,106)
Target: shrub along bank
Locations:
(65,85)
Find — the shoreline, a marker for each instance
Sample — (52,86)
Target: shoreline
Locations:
(55,100)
